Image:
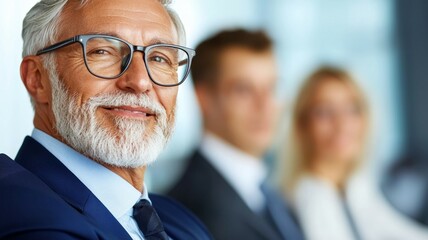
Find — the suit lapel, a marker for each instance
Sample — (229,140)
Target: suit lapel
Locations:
(259,225)
(256,223)
(38,160)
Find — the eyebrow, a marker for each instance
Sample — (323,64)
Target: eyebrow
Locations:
(150,42)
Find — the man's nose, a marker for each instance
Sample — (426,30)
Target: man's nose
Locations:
(136,79)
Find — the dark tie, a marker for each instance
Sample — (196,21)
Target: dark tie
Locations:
(278,212)
(148,221)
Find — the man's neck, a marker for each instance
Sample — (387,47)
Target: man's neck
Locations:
(46,126)
(135,176)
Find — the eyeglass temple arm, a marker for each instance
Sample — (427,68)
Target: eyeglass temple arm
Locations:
(58,45)
(191,53)
(183,62)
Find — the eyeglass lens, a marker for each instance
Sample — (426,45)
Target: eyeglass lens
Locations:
(109,57)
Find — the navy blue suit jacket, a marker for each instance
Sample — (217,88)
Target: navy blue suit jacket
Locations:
(41,199)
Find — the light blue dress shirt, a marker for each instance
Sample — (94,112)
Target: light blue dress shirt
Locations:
(227,159)
(117,195)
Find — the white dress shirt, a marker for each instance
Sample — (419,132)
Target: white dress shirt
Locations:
(242,171)
(117,195)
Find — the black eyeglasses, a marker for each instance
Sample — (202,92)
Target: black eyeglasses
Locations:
(109,57)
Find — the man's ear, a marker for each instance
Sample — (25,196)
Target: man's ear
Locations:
(35,78)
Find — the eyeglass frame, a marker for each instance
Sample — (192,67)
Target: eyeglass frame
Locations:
(83,39)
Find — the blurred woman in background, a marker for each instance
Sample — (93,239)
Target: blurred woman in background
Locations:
(329,129)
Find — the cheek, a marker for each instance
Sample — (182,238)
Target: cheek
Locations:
(72,66)
(167,98)
(227,115)
(237,112)
(79,82)
(271,115)
(86,87)
(357,125)
(357,130)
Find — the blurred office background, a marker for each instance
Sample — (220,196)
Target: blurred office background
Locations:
(382,42)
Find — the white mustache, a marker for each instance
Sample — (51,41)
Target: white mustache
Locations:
(125,99)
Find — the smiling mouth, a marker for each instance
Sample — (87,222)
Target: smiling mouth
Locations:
(130,111)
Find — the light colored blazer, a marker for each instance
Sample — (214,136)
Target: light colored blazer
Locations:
(320,210)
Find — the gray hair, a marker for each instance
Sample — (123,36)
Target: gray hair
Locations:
(40,26)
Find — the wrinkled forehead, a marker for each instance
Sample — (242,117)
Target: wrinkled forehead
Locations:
(137,21)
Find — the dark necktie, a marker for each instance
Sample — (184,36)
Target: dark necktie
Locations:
(282,217)
(148,221)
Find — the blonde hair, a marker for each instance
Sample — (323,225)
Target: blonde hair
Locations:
(295,157)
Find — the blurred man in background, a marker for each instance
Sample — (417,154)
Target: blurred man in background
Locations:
(225,183)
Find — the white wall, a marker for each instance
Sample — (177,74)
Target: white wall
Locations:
(17,114)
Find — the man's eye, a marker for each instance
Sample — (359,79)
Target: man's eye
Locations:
(100,52)
(158,59)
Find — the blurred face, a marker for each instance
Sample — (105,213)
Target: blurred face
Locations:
(335,129)
(123,122)
(242,107)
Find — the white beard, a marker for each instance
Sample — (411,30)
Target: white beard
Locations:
(130,144)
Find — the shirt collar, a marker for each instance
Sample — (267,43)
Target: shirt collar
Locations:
(114,192)
(228,160)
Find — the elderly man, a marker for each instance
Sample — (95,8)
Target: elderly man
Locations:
(235,76)
(103,77)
